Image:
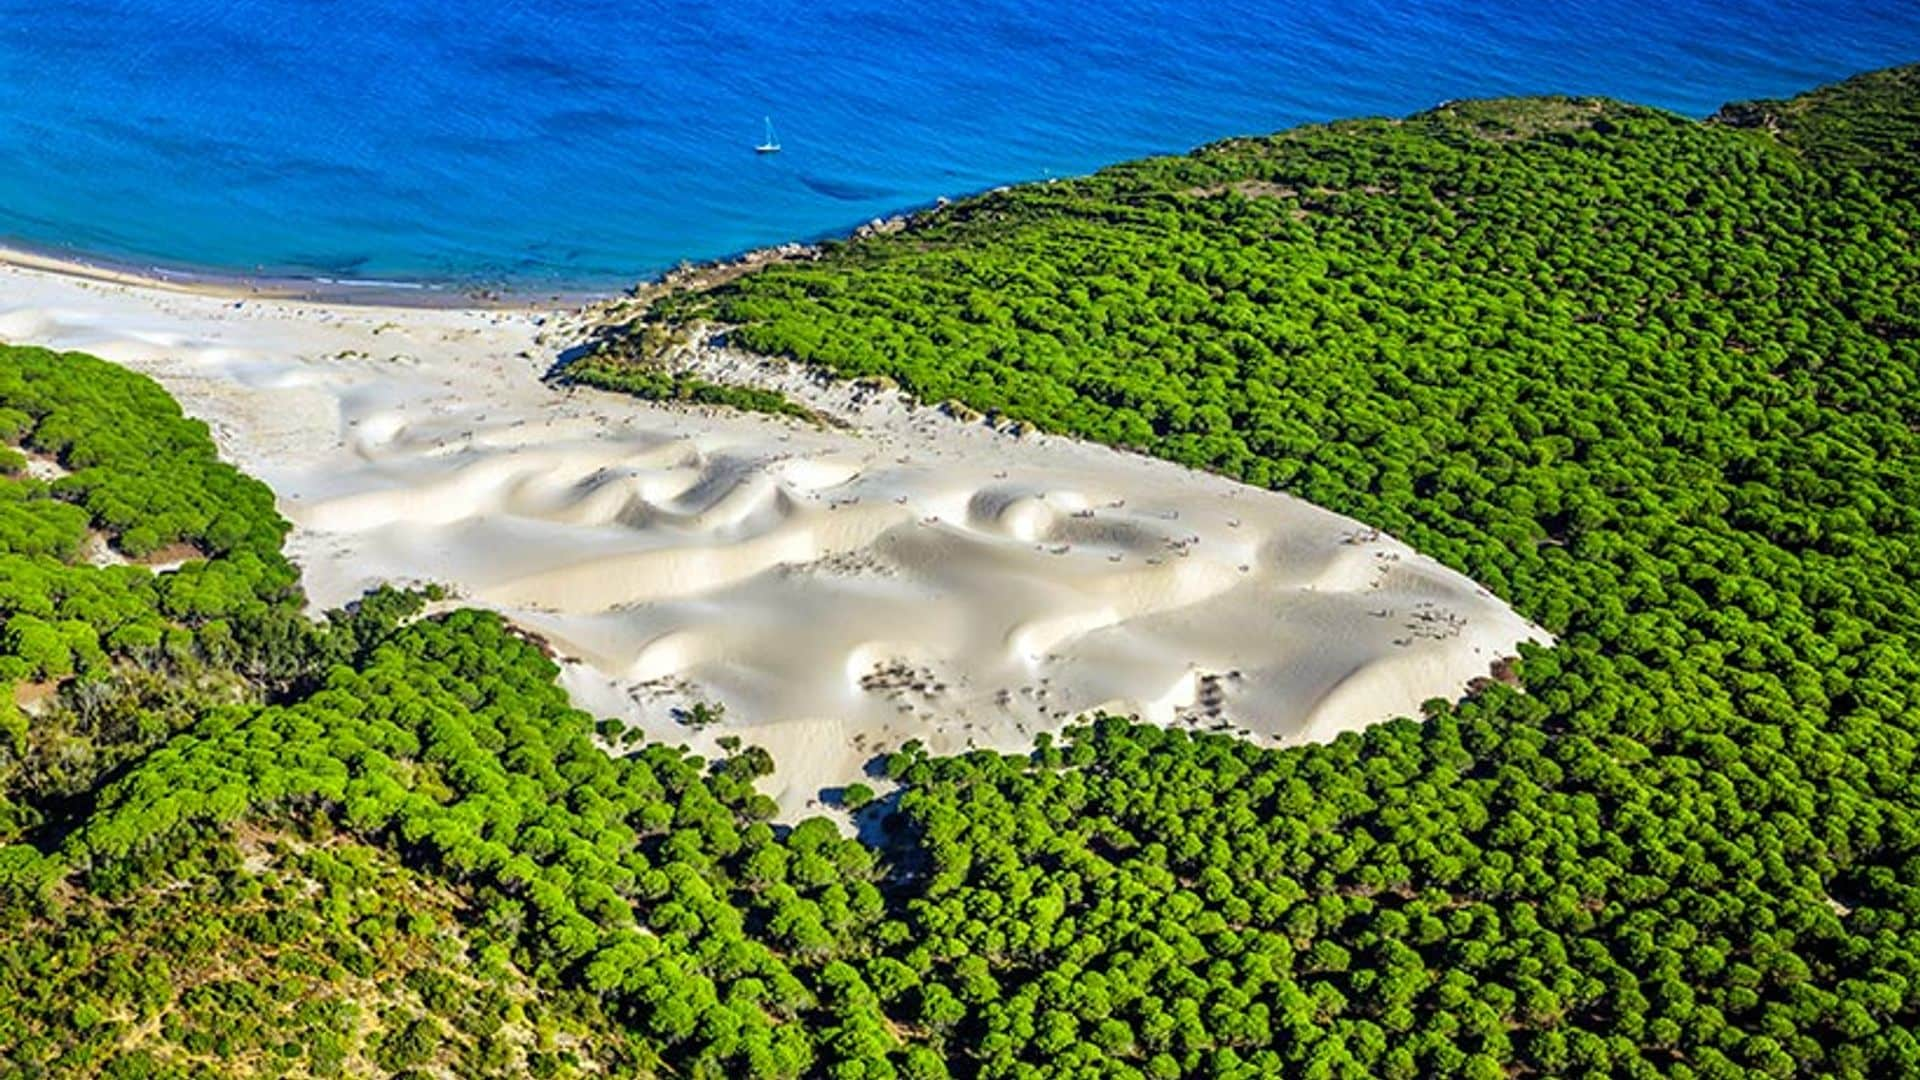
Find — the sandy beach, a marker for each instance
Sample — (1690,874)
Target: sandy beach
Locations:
(840,591)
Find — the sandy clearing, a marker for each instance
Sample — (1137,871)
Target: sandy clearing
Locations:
(840,591)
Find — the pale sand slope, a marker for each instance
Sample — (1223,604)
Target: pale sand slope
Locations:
(840,592)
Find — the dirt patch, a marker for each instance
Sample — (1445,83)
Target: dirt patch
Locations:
(44,466)
(99,550)
(1512,119)
(102,550)
(170,557)
(31,697)
(1304,200)
(1252,189)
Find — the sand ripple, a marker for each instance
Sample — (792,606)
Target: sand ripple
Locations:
(839,591)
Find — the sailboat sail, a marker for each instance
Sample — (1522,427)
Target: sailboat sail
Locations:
(772,143)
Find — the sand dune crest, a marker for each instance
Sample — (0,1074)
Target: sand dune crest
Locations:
(840,591)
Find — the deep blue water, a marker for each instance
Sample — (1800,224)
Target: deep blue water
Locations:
(586,142)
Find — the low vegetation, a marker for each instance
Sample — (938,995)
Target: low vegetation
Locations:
(657,384)
(284,954)
(641,360)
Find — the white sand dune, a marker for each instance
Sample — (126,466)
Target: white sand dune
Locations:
(841,592)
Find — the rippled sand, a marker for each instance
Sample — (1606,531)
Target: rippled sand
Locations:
(840,591)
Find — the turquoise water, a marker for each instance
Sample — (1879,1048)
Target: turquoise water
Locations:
(586,143)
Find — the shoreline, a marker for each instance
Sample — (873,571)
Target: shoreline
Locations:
(435,293)
(370,293)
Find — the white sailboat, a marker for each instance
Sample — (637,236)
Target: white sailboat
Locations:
(772,143)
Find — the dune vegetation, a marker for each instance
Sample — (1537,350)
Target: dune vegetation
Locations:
(1650,380)
(656,382)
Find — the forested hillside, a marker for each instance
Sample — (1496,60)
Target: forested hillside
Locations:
(99,473)
(1654,381)
(1657,383)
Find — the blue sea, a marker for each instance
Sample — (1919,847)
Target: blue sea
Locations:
(580,144)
